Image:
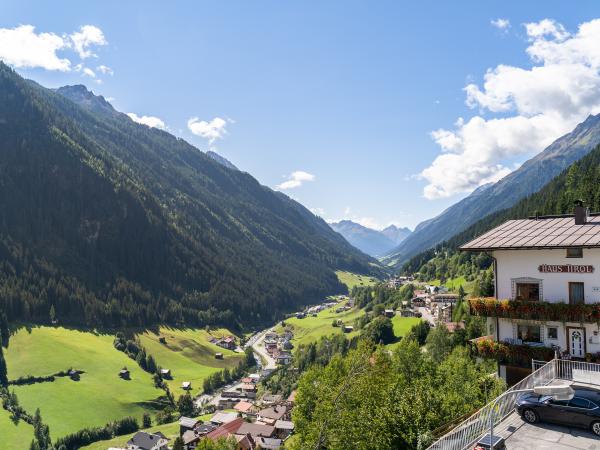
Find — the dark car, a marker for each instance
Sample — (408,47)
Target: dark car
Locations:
(581,411)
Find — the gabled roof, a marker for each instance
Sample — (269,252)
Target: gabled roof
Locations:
(255,429)
(284,425)
(188,422)
(226,429)
(548,233)
(274,412)
(268,443)
(144,440)
(243,406)
(224,417)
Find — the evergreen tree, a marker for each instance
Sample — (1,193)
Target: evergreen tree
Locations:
(146,421)
(3,370)
(150,364)
(185,405)
(4,330)
(178,443)
(52,314)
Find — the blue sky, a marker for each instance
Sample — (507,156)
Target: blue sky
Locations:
(345,95)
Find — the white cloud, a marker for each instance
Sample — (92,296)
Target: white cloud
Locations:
(296,179)
(501,24)
(85,38)
(534,106)
(105,70)
(23,47)
(151,121)
(318,211)
(89,72)
(211,130)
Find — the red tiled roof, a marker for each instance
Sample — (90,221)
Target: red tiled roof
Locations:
(226,429)
(243,406)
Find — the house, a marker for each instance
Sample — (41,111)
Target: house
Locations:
(256,430)
(222,418)
(348,328)
(547,269)
(249,389)
(124,373)
(300,315)
(283,358)
(186,385)
(389,313)
(225,430)
(227,342)
(271,399)
(268,443)
(187,423)
(190,439)
(444,298)
(218,355)
(283,428)
(228,402)
(165,373)
(147,441)
(244,408)
(272,414)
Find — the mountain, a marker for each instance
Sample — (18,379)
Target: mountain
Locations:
(580,181)
(114,223)
(395,234)
(221,160)
(372,242)
(524,181)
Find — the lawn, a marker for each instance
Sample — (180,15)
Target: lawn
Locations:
(402,326)
(100,396)
(351,279)
(311,328)
(14,436)
(454,283)
(189,355)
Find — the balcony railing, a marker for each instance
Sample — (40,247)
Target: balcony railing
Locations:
(466,434)
(535,310)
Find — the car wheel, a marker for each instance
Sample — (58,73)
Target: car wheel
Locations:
(530,416)
(596,428)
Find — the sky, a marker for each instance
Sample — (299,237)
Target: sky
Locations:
(378,112)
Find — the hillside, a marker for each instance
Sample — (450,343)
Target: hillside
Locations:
(526,180)
(579,181)
(372,242)
(118,224)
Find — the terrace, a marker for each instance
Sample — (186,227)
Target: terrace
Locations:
(509,425)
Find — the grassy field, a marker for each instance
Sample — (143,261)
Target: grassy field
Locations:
(402,326)
(14,436)
(188,354)
(454,283)
(97,398)
(354,279)
(312,328)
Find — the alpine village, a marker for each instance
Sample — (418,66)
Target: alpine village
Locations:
(156,296)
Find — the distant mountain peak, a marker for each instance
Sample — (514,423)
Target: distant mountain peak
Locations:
(80,94)
(372,242)
(221,160)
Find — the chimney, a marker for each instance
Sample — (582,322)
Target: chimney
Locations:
(580,213)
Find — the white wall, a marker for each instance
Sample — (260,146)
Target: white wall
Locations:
(513,264)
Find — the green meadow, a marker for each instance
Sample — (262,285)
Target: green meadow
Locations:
(189,354)
(100,396)
(402,326)
(13,436)
(354,279)
(312,328)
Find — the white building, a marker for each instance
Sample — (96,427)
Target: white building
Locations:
(538,263)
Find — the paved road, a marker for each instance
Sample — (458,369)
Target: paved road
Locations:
(257,343)
(425,314)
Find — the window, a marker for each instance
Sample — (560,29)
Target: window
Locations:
(552,333)
(559,402)
(529,333)
(528,291)
(576,296)
(578,402)
(574,252)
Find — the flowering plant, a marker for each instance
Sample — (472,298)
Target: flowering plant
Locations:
(520,355)
(535,310)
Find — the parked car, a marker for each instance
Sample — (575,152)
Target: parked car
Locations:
(582,411)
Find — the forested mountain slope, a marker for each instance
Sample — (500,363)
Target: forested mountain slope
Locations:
(115,223)
(526,180)
(581,181)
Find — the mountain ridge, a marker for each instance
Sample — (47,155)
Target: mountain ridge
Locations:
(118,224)
(370,241)
(530,177)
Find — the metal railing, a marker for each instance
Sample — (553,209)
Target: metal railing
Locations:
(466,434)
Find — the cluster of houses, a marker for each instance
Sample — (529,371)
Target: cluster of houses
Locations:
(439,304)
(396,282)
(253,425)
(279,346)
